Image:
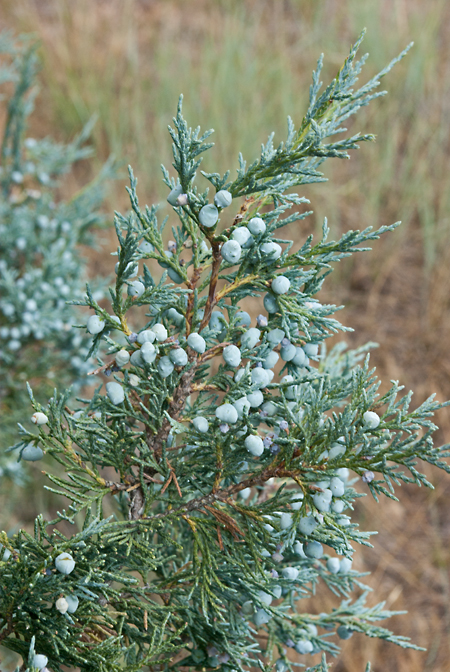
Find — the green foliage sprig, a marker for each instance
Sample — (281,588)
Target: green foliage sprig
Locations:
(211,487)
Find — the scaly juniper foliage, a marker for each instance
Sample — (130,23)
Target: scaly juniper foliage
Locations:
(40,263)
(210,487)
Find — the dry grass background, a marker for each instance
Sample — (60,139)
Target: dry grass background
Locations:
(243,65)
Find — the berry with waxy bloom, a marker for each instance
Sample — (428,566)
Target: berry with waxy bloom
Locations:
(174,194)
(256,226)
(62,605)
(250,338)
(313,550)
(290,573)
(223,198)
(122,357)
(145,336)
(196,342)
(136,289)
(147,353)
(165,367)
(40,661)
(270,304)
(64,563)
(232,355)
(227,413)
(333,565)
(39,418)
(179,357)
(254,445)
(231,251)
(115,393)
(208,216)
(281,284)
(371,419)
(95,325)
(304,646)
(345,565)
(201,424)
(32,453)
(343,632)
(160,332)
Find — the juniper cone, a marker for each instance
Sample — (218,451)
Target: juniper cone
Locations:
(210,493)
(40,262)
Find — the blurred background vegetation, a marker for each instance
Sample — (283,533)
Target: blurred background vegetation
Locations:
(243,66)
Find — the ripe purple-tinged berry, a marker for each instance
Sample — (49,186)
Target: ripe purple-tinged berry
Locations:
(368,477)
